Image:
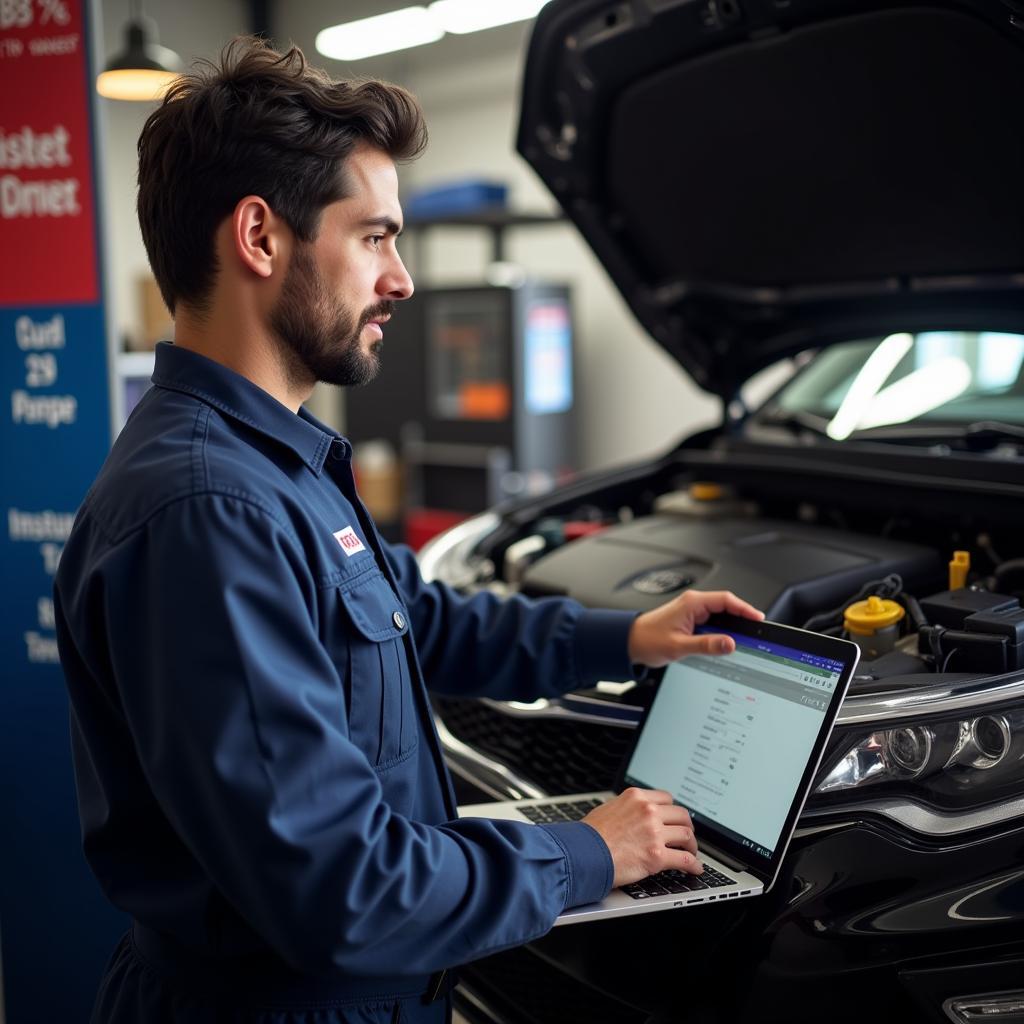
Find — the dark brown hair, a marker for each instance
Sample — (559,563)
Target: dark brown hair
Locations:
(259,123)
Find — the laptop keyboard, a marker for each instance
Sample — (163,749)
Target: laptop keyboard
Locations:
(544,814)
(676,881)
(661,884)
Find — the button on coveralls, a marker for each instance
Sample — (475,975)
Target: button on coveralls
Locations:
(259,779)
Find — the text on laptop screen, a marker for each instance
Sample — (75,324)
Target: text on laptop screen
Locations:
(729,736)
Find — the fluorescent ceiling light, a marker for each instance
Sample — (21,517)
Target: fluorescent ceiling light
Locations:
(384,33)
(868,382)
(415,26)
(918,393)
(461,16)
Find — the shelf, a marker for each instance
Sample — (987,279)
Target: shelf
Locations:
(494,217)
(496,220)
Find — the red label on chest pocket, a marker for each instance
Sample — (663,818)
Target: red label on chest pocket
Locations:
(349,542)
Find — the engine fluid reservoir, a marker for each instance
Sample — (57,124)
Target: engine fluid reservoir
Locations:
(704,500)
(874,625)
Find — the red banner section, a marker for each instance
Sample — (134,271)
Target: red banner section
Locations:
(47,226)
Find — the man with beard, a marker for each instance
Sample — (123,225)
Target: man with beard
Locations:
(260,784)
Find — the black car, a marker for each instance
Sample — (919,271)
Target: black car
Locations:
(838,185)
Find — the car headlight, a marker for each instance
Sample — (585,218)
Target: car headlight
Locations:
(951,763)
(449,556)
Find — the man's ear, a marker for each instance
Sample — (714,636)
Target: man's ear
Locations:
(257,235)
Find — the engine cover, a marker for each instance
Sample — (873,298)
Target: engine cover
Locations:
(790,570)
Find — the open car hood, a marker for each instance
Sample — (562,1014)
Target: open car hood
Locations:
(760,177)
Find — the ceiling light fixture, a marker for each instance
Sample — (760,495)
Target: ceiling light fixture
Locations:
(463,16)
(383,33)
(145,69)
(416,26)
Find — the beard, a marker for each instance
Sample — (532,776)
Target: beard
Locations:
(318,336)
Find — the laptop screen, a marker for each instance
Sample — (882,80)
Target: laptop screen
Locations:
(731,737)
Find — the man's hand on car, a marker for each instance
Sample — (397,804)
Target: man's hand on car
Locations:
(645,832)
(666,633)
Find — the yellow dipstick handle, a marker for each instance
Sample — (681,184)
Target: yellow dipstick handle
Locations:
(958,570)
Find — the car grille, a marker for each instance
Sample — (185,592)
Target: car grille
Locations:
(558,756)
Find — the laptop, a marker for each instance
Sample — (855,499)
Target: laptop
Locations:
(737,739)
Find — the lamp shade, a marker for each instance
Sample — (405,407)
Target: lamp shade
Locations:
(143,70)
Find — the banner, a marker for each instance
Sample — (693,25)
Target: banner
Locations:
(56,930)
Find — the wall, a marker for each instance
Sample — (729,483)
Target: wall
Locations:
(634,400)
(193,28)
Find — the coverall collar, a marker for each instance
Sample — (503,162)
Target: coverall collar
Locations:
(180,369)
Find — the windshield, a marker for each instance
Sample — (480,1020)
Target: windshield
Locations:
(934,377)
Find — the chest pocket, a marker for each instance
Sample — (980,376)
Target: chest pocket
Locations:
(382,718)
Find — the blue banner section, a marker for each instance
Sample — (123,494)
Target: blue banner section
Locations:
(54,436)
(56,929)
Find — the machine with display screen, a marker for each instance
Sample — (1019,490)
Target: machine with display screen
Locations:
(476,394)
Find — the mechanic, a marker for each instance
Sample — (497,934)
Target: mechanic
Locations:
(260,784)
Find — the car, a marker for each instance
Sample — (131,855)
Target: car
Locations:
(837,189)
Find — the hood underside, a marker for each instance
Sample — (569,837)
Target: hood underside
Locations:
(763,176)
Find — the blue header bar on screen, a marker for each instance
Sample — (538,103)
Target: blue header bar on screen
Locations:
(752,643)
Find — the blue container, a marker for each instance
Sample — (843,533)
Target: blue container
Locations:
(456,199)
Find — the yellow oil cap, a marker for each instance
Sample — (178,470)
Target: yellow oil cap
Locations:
(706,491)
(866,617)
(958,570)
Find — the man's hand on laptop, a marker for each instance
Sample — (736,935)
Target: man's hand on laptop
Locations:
(666,633)
(645,832)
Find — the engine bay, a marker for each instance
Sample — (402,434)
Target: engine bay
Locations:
(926,590)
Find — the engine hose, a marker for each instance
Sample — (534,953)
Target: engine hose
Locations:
(1001,571)
(891,586)
(917,617)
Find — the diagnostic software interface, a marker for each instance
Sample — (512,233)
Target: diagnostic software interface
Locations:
(730,736)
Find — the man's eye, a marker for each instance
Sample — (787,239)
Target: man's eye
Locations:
(375,240)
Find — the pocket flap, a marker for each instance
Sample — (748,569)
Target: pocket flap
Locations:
(373,608)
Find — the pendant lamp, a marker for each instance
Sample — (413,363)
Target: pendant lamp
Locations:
(144,69)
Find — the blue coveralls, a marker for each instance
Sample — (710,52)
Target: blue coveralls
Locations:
(260,783)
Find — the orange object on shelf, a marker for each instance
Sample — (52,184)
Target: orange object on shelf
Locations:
(485,400)
(421,524)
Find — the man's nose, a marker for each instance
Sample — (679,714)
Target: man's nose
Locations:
(396,284)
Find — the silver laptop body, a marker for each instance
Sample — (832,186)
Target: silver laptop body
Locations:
(737,739)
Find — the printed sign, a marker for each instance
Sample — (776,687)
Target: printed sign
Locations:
(47,210)
(54,434)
